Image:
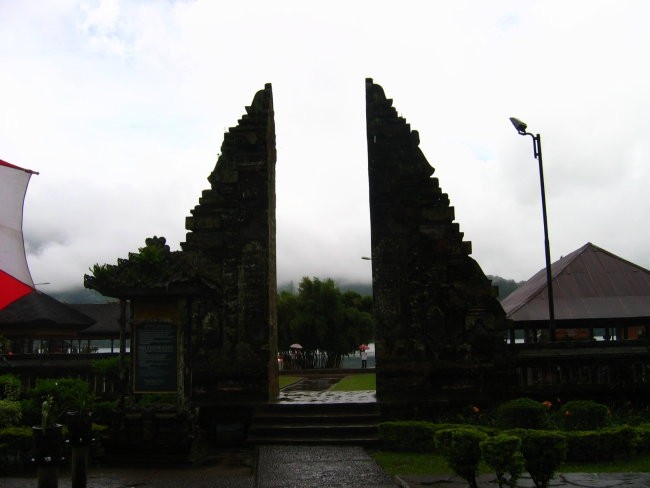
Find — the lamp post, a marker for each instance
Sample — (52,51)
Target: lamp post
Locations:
(537,151)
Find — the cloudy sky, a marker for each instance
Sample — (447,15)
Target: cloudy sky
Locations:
(121,107)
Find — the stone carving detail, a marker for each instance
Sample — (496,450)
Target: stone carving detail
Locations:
(234,226)
(433,302)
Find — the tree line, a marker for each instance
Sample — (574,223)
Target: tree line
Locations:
(328,323)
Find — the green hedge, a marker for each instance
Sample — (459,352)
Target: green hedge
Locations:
(10,413)
(643,437)
(583,415)
(522,413)
(407,436)
(601,445)
(9,387)
(18,443)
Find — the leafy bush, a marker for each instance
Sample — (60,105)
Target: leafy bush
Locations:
(10,413)
(409,436)
(502,453)
(9,387)
(109,366)
(104,411)
(461,449)
(584,415)
(601,445)
(18,441)
(67,393)
(522,413)
(643,437)
(543,453)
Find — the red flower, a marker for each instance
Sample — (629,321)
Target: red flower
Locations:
(547,404)
(475,409)
(567,413)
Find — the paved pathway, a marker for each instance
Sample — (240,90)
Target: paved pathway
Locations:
(319,467)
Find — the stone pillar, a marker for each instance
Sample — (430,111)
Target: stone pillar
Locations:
(234,226)
(435,310)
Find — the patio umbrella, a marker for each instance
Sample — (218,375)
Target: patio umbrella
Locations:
(295,346)
(363,347)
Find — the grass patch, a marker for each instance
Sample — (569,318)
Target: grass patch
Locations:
(636,464)
(356,382)
(404,463)
(289,380)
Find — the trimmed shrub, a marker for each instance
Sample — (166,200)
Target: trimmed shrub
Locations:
(10,413)
(407,436)
(583,415)
(461,449)
(601,445)
(522,413)
(19,443)
(643,437)
(104,411)
(502,453)
(543,453)
(413,435)
(9,387)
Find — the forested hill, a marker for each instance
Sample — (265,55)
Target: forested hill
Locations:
(82,295)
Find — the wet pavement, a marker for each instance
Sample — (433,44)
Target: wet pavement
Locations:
(326,396)
(319,466)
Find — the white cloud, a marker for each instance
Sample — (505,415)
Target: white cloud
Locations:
(122,106)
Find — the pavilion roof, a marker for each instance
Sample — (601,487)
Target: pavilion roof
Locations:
(590,284)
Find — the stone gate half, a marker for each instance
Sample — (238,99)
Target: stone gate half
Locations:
(233,226)
(437,318)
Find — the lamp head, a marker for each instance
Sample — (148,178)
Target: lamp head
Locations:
(519,125)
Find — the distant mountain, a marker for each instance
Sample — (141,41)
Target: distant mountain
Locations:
(79,295)
(506,286)
(84,295)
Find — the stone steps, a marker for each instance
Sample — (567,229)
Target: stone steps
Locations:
(335,423)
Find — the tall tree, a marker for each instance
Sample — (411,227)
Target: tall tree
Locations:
(323,319)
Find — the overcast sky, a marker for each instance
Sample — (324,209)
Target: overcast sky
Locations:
(122,105)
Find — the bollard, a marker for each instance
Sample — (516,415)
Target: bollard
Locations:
(48,450)
(80,435)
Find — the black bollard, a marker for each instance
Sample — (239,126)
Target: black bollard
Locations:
(48,450)
(80,432)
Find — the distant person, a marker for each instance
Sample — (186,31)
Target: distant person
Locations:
(364,359)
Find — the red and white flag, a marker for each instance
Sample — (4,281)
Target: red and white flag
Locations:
(15,278)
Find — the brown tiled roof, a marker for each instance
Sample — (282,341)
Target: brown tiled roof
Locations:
(40,311)
(107,319)
(588,284)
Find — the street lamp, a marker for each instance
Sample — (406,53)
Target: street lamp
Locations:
(537,151)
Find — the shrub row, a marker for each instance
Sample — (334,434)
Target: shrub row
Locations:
(591,445)
(540,452)
(525,413)
(414,436)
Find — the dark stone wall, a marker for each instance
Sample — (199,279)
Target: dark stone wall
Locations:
(437,318)
(235,339)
